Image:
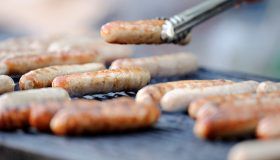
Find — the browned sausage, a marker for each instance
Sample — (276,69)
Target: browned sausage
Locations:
(42,113)
(237,100)
(163,65)
(133,32)
(115,115)
(14,106)
(23,64)
(269,128)
(235,120)
(43,77)
(103,81)
(89,44)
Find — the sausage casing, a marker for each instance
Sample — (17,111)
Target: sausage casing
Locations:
(179,99)
(115,115)
(237,100)
(103,81)
(153,93)
(163,65)
(41,113)
(236,120)
(7,84)
(269,128)
(89,44)
(14,106)
(43,77)
(266,87)
(255,150)
(23,64)
(133,32)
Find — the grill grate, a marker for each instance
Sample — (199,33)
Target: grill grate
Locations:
(171,138)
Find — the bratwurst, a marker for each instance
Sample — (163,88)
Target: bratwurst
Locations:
(117,115)
(104,81)
(154,93)
(43,77)
(14,106)
(175,64)
(23,64)
(179,99)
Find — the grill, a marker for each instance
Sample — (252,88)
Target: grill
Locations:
(171,138)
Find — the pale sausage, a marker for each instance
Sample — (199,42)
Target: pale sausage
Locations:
(153,93)
(174,64)
(179,99)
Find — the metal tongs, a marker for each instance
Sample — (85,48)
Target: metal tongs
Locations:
(177,28)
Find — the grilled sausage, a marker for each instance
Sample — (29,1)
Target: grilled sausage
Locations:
(43,77)
(6,84)
(236,120)
(268,86)
(41,113)
(153,93)
(255,150)
(14,106)
(179,99)
(88,44)
(26,44)
(23,64)
(103,81)
(196,105)
(134,32)
(269,128)
(7,55)
(237,100)
(164,65)
(115,115)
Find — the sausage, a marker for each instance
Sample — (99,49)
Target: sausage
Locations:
(25,44)
(41,113)
(43,77)
(23,64)
(133,32)
(255,150)
(268,86)
(14,106)
(117,115)
(7,55)
(196,105)
(237,100)
(269,128)
(153,93)
(103,81)
(6,84)
(179,99)
(236,120)
(163,65)
(88,44)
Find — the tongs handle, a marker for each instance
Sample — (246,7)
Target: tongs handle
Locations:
(177,27)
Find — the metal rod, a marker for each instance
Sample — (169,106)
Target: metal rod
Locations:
(178,26)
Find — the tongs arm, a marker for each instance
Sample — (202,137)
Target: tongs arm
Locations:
(177,27)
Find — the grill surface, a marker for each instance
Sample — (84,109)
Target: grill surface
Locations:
(171,138)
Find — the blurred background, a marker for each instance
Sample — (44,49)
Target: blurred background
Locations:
(245,39)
